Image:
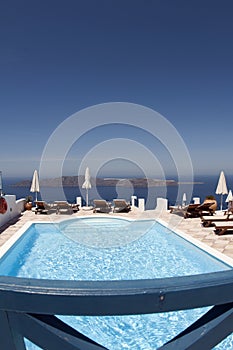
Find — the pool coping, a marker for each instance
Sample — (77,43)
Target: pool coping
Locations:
(204,247)
(14,238)
(18,234)
(211,251)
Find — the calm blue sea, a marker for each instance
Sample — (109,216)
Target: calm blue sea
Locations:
(206,187)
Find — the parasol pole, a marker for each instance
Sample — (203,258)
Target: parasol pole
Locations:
(1,183)
(87,197)
(221,202)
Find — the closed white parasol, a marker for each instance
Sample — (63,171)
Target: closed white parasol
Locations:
(87,183)
(221,187)
(35,186)
(184,199)
(229,197)
(229,200)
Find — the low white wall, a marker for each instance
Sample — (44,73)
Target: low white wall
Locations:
(133,201)
(196,200)
(20,205)
(79,201)
(14,208)
(141,204)
(162,204)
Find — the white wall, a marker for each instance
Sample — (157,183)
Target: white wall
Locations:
(162,204)
(14,208)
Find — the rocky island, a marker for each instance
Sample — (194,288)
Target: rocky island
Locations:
(77,181)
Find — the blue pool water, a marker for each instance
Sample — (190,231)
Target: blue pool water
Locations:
(111,248)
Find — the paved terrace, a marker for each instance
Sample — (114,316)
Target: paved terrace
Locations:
(191,226)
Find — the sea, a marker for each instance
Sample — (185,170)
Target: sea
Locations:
(202,186)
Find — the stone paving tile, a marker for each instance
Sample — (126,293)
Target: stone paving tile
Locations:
(206,235)
(227,252)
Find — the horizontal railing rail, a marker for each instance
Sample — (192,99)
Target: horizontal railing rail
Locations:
(28,308)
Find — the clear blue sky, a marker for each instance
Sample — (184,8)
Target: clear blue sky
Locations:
(58,57)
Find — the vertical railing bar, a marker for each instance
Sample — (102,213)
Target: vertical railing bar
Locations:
(55,322)
(50,338)
(204,337)
(10,335)
(210,315)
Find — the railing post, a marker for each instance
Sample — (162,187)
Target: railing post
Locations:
(11,339)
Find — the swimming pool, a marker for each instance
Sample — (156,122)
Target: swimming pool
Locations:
(88,249)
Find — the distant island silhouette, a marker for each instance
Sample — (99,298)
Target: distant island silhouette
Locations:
(77,181)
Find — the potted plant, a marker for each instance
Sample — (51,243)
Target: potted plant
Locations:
(28,203)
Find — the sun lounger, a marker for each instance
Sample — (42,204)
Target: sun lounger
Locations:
(192,210)
(206,208)
(43,207)
(209,220)
(229,211)
(75,207)
(101,206)
(174,208)
(186,211)
(222,227)
(120,205)
(63,207)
